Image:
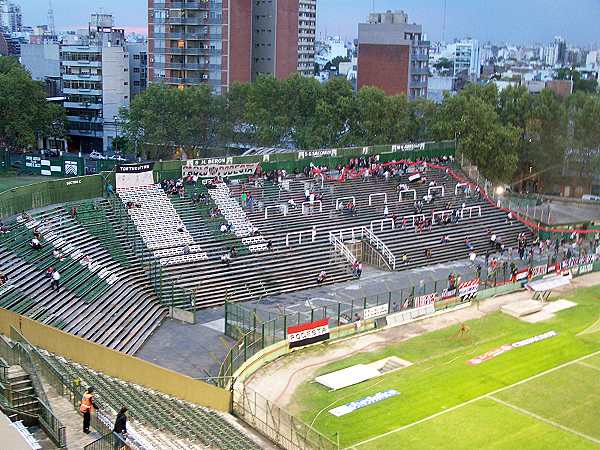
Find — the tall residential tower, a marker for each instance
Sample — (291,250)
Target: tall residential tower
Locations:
(223,41)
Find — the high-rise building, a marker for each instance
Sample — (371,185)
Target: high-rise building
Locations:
(217,43)
(95,76)
(11,20)
(467,59)
(307,28)
(393,55)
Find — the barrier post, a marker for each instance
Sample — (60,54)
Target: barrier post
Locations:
(262,336)
(285,326)
(365,302)
(339,313)
(312,314)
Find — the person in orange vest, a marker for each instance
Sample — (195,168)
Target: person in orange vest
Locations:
(86,407)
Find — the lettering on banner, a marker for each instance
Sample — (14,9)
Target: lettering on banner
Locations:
(69,183)
(539,271)
(376,311)
(408,147)
(222,171)
(366,401)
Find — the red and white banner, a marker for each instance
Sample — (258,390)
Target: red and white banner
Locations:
(425,300)
(538,271)
(308,333)
(468,288)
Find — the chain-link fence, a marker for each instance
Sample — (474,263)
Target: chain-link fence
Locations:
(277,424)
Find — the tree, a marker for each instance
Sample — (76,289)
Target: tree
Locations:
(579,85)
(25,114)
(488,143)
(584,113)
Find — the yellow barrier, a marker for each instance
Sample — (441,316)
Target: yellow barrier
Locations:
(116,364)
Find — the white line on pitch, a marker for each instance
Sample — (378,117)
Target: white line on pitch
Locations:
(473,400)
(543,419)
(588,366)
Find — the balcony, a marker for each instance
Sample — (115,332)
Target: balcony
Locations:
(97,92)
(419,56)
(82,105)
(81,76)
(85,119)
(187,51)
(187,36)
(81,63)
(204,6)
(417,84)
(419,71)
(186,66)
(189,21)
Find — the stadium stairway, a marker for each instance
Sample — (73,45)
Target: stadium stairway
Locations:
(163,421)
(101,301)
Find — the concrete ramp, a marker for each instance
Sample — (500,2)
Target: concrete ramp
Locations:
(522,308)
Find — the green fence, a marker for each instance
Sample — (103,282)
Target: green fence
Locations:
(39,195)
(46,193)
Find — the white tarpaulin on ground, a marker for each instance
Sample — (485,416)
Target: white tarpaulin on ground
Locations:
(547,284)
(348,376)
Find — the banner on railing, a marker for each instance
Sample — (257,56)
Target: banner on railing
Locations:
(217,170)
(308,333)
(134,175)
(376,311)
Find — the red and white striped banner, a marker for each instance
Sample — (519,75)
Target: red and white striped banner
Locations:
(308,333)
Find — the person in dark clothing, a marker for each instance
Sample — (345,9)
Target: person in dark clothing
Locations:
(120,429)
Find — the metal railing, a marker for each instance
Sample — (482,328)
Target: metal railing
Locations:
(340,247)
(276,423)
(379,246)
(33,406)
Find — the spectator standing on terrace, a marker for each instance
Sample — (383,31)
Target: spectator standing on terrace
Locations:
(3,278)
(244,198)
(110,190)
(55,284)
(36,244)
(86,407)
(493,240)
(120,429)
(386,210)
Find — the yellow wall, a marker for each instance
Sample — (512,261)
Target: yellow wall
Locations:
(116,364)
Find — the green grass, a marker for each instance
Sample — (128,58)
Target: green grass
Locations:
(10,180)
(440,379)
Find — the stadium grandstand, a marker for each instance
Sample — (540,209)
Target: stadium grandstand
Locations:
(92,267)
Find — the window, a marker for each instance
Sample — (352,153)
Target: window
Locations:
(136,57)
(136,70)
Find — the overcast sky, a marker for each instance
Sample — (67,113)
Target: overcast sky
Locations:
(514,21)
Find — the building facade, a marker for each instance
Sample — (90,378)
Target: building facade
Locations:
(393,55)
(467,59)
(220,42)
(11,20)
(307,30)
(95,78)
(138,67)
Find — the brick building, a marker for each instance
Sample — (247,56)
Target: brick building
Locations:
(217,43)
(392,55)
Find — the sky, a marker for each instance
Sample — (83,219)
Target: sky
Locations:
(499,21)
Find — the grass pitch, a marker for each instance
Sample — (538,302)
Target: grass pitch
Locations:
(542,396)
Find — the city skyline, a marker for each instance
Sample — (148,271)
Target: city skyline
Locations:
(511,21)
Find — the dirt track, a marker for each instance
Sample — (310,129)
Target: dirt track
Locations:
(279,380)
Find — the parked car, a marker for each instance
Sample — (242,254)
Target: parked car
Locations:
(117,157)
(97,155)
